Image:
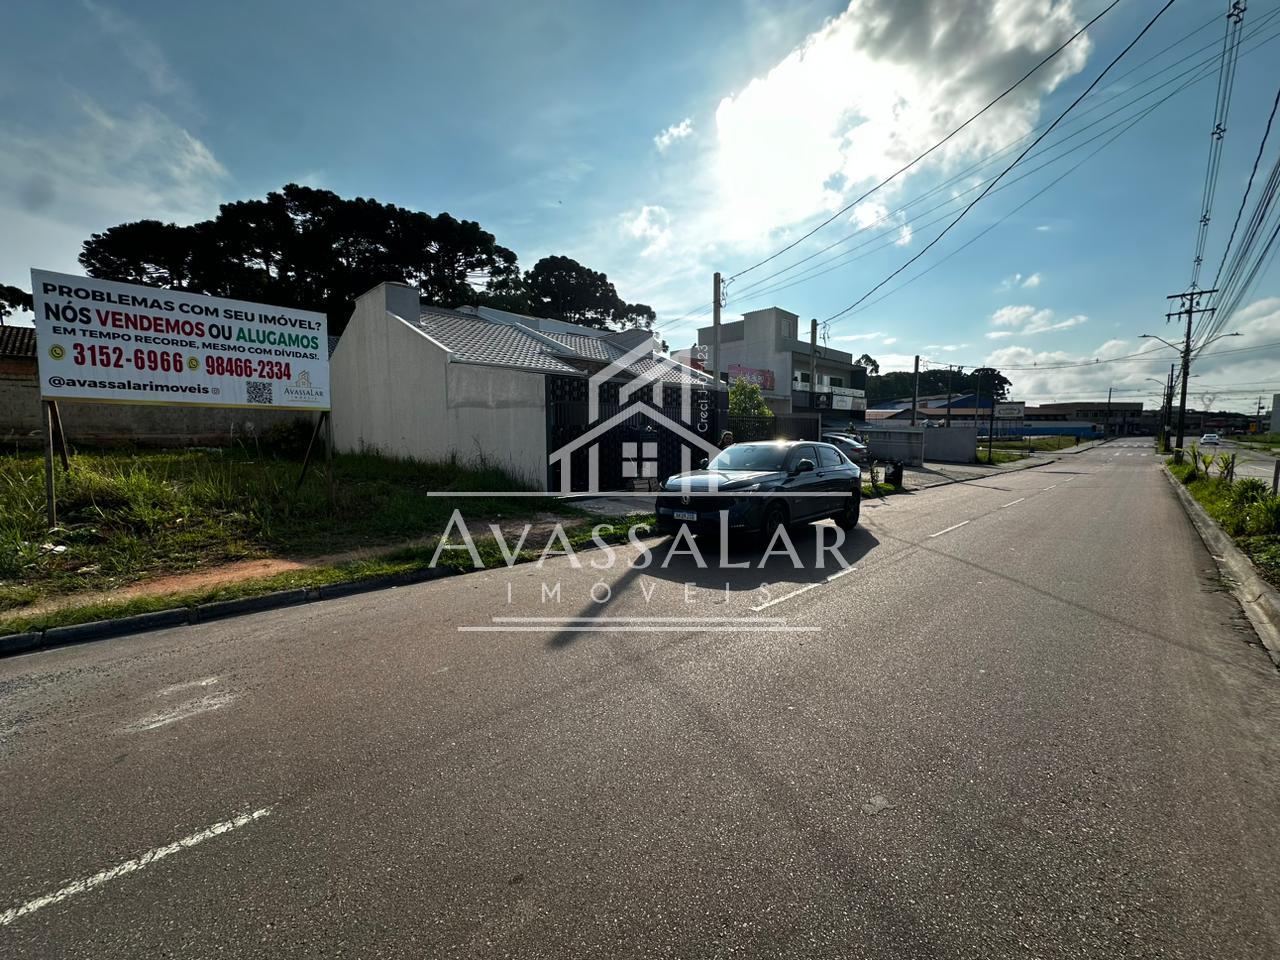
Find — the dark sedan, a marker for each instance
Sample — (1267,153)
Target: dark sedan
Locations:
(762,486)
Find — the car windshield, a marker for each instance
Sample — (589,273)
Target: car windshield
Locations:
(750,456)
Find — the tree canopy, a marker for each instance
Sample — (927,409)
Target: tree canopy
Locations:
(309,248)
(746,400)
(13,299)
(899,383)
(868,361)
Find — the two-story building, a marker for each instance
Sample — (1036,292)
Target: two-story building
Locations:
(768,347)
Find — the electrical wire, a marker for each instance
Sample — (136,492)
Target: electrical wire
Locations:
(978,199)
(903,169)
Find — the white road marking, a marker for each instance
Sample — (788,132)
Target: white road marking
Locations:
(648,620)
(956,526)
(187,685)
(1011,503)
(130,866)
(214,701)
(805,589)
(1053,486)
(650,628)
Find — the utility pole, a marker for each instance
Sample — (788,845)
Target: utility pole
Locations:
(991,426)
(715,329)
(977,401)
(949,394)
(1259,415)
(1189,307)
(1168,411)
(915,393)
(813,370)
(1106,427)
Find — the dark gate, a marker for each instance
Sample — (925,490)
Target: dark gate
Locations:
(783,426)
(637,446)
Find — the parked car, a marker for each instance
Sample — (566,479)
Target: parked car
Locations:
(850,446)
(763,486)
(1210,439)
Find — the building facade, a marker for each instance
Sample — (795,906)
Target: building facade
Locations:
(766,347)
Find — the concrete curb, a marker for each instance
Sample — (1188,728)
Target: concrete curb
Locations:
(17,643)
(1259,599)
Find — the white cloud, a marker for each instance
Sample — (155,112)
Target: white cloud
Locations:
(105,169)
(138,50)
(652,225)
(947,347)
(1043,228)
(889,341)
(1025,319)
(1019,280)
(677,131)
(874,87)
(860,336)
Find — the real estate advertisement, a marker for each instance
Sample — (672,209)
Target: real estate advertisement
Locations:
(126,343)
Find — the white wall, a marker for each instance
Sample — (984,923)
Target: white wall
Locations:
(498,415)
(396,393)
(388,382)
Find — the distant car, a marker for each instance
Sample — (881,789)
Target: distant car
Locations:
(763,486)
(1210,439)
(851,447)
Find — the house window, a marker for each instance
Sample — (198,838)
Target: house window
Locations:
(804,376)
(639,459)
(836,381)
(784,329)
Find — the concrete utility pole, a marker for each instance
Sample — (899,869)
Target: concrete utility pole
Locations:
(949,368)
(1189,308)
(1106,427)
(991,426)
(715,329)
(813,360)
(1168,409)
(915,393)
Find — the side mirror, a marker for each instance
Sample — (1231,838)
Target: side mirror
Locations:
(804,466)
(702,464)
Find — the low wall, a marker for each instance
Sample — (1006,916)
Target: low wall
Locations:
(900,443)
(951,444)
(22,419)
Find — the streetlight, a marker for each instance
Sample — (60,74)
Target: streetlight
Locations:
(1185,350)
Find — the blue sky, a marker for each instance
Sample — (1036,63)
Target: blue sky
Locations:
(660,142)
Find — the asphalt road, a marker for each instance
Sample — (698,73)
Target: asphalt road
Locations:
(1028,723)
(1250,462)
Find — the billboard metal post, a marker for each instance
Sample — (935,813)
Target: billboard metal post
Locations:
(51,508)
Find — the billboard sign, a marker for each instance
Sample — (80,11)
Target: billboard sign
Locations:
(1011,411)
(764,379)
(115,342)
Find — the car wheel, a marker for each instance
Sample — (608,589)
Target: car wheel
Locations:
(848,515)
(775,516)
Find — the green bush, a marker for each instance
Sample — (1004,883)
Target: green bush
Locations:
(1246,491)
(1263,516)
(287,440)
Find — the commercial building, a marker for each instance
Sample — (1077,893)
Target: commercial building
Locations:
(794,375)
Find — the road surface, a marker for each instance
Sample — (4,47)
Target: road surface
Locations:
(1250,462)
(1029,722)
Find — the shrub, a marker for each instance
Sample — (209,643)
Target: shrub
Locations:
(1263,516)
(288,440)
(1247,491)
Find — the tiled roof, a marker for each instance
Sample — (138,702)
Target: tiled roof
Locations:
(597,348)
(479,341)
(17,341)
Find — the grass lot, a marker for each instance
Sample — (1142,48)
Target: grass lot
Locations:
(127,516)
(1245,509)
(1000,455)
(1047,444)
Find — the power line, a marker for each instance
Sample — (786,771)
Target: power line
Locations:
(1020,156)
(991,158)
(1248,187)
(949,136)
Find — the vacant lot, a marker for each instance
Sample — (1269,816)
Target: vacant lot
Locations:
(126,516)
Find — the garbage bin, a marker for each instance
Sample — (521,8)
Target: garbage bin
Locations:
(893,473)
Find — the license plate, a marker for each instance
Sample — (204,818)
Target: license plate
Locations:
(684,515)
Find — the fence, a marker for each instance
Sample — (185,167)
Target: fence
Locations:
(780,427)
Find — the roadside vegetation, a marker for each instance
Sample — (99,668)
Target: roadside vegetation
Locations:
(126,516)
(1244,508)
(999,455)
(1043,444)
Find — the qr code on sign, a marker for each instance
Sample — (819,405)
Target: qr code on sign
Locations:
(258,391)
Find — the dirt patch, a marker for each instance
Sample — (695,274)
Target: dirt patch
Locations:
(540,525)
